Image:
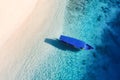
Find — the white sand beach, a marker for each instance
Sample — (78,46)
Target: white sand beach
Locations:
(24,24)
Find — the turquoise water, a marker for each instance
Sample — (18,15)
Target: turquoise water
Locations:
(91,21)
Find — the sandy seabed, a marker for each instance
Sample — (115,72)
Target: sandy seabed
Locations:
(23,25)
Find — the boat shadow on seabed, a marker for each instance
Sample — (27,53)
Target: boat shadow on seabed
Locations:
(60,45)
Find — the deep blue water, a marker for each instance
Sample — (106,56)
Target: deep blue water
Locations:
(98,23)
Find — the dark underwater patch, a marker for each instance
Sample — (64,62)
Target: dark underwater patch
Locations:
(110,47)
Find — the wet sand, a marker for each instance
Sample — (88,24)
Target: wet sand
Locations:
(26,30)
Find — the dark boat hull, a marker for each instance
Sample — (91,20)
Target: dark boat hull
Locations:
(75,42)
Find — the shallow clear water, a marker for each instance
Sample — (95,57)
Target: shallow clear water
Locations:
(97,22)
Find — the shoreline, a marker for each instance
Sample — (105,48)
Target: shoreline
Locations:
(23,42)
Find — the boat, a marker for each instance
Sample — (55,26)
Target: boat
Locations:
(78,44)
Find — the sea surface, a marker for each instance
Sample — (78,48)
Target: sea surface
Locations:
(97,22)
